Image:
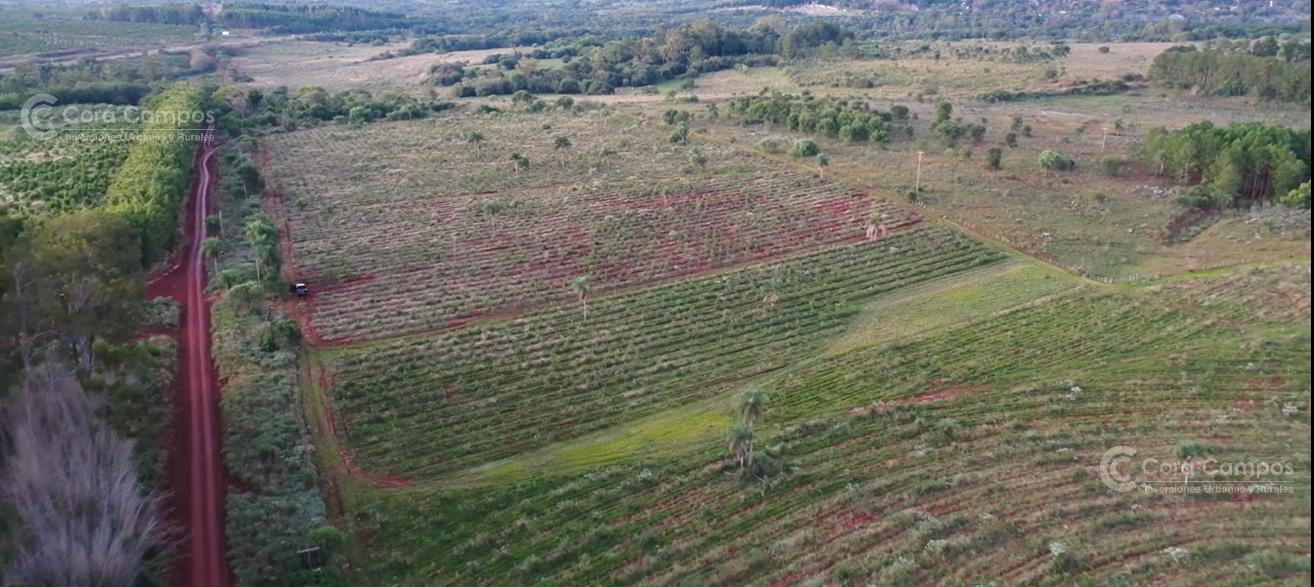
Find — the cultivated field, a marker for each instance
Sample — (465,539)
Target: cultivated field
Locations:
(22,34)
(58,175)
(943,374)
(443,231)
(965,455)
(429,405)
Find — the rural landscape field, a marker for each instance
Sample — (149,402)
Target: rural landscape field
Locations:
(655,292)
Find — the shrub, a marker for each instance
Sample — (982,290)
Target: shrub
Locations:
(1051,160)
(804,148)
(1111,165)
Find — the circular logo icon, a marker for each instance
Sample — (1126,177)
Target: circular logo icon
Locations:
(1110,468)
(33,116)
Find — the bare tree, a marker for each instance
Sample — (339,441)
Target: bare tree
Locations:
(73,485)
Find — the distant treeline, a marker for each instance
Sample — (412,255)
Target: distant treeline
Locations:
(1233,74)
(690,49)
(118,81)
(312,18)
(1232,166)
(1093,88)
(160,13)
(280,18)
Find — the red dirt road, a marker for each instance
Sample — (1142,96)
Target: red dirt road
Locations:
(196,465)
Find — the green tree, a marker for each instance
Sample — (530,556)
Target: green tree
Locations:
(805,148)
(78,278)
(1297,198)
(582,286)
(752,406)
(561,145)
(263,237)
(475,138)
(741,445)
(212,248)
(1050,160)
(519,162)
(995,158)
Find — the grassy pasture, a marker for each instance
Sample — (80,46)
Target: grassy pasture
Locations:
(337,66)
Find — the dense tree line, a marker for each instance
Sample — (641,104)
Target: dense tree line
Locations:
(841,119)
(307,18)
(687,50)
(1231,166)
(249,109)
(115,81)
(1218,73)
(276,17)
(160,13)
(1093,88)
(149,188)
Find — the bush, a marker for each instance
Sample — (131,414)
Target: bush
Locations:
(1051,160)
(1111,165)
(1297,198)
(162,313)
(805,148)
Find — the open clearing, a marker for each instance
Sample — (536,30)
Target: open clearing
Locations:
(336,66)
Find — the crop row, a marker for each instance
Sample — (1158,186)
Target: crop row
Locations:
(995,484)
(430,405)
(57,176)
(483,267)
(410,227)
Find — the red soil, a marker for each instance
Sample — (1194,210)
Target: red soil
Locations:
(196,472)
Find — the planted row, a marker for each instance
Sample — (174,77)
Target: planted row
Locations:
(426,406)
(996,483)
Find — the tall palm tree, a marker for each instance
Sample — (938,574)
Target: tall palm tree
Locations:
(741,445)
(262,235)
(520,161)
(582,285)
(561,144)
(475,138)
(213,247)
(751,406)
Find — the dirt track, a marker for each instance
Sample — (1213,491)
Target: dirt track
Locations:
(196,465)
